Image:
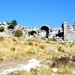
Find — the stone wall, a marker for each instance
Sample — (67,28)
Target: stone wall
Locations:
(68,32)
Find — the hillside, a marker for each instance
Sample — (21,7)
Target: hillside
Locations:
(27,48)
(21,48)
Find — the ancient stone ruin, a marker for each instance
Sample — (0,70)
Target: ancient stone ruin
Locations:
(64,34)
(68,32)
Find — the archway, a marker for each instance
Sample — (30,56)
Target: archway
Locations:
(32,32)
(46,28)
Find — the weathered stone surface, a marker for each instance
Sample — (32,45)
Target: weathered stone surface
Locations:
(69,33)
(66,33)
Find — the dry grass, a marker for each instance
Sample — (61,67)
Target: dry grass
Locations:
(15,48)
(10,47)
(42,71)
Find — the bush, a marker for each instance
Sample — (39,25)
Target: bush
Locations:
(52,39)
(14,39)
(42,46)
(30,43)
(1,29)
(60,48)
(60,61)
(18,33)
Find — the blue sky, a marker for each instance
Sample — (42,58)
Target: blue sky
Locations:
(34,13)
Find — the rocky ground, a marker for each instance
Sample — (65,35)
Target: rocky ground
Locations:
(57,58)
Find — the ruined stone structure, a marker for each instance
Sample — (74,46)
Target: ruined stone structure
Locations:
(66,33)
(46,29)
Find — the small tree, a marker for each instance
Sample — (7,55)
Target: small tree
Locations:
(18,33)
(1,29)
(14,22)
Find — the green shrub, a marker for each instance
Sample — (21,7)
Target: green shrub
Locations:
(52,39)
(1,29)
(18,33)
(42,38)
(14,39)
(62,43)
(42,46)
(60,48)
(30,43)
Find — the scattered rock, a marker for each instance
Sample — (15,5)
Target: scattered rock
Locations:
(73,72)
(52,74)
(55,69)
(33,63)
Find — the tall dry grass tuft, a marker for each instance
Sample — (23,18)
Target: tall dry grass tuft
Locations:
(62,61)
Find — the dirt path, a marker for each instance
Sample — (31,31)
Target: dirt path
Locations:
(23,64)
(12,64)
